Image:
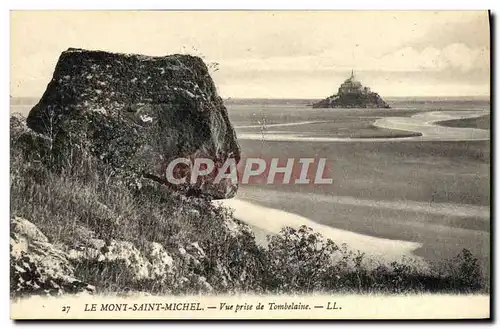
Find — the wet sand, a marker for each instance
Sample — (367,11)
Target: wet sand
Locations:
(418,127)
(427,194)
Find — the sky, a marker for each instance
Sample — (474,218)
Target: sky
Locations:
(273,54)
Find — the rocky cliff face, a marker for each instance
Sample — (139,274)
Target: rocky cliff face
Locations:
(137,113)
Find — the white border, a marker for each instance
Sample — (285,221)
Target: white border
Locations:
(179,5)
(254,5)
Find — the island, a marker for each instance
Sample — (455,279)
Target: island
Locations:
(352,94)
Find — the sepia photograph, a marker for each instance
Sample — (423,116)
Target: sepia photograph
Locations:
(250,164)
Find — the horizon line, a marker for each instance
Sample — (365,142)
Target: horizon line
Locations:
(316,98)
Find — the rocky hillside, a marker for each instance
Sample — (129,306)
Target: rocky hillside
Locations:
(90,228)
(89,195)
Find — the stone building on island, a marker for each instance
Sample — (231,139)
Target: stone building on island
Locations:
(352,93)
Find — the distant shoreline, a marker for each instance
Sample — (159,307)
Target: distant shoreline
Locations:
(482,122)
(389,98)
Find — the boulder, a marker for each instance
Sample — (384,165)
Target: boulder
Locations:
(137,113)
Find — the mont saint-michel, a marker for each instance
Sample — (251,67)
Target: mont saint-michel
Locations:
(352,93)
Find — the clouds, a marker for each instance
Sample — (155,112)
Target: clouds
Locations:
(285,54)
(456,56)
(454,70)
(470,30)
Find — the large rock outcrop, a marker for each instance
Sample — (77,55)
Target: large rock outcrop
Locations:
(137,113)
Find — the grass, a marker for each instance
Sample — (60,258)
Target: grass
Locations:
(87,200)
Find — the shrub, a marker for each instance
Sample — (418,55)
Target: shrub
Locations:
(298,260)
(303,261)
